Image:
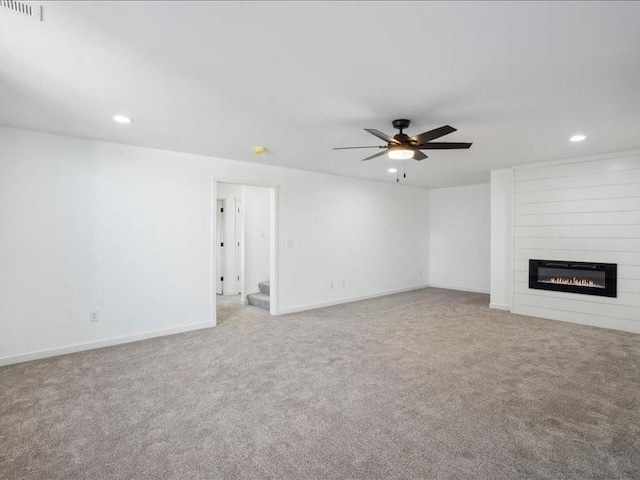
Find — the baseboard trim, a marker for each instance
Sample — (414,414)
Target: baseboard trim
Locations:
(109,342)
(460,289)
(314,306)
(500,306)
(579,318)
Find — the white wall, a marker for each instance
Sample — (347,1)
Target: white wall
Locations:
(501,239)
(230,193)
(460,238)
(88,225)
(581,210)
(256,237)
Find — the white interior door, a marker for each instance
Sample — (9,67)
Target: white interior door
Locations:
(219,246)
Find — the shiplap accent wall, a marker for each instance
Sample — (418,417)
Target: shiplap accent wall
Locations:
(587,210)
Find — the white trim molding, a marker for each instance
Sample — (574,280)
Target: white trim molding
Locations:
(314,306)
(109,342)
(498,306)
(459,289)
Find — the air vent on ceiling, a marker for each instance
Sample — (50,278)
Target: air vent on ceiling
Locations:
(30,9)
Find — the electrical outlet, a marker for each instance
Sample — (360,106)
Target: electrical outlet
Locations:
(290,243)
(94,316)
(420,272)
(342,284)
(331,284)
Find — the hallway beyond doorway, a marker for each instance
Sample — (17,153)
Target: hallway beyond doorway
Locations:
(246,250)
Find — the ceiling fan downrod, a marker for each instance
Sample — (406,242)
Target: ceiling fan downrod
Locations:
(401,124)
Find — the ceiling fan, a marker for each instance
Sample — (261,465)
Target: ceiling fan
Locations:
(403,147)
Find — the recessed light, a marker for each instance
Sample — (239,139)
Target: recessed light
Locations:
(121,119)
(259,149)
(578,138)
(392,170)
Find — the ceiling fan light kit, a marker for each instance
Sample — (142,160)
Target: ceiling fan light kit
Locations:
(400,152)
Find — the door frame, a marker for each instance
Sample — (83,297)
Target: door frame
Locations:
(219,245)
(274,242)
(239,206)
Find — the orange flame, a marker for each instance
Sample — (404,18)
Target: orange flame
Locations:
(578,282)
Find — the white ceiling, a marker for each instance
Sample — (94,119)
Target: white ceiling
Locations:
(515,78)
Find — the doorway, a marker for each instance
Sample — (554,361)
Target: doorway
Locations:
(245,249)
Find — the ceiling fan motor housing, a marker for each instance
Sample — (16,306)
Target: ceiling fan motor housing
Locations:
(403,138)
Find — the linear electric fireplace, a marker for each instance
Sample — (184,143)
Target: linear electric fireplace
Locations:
(575,277)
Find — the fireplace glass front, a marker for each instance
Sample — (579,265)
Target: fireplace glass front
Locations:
(575,277)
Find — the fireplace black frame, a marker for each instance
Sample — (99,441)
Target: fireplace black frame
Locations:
(610,272)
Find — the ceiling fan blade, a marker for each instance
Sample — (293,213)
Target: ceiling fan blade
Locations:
(418,155)
(381,135)
(433,134)
(374,156)
(350,148)
(443,145)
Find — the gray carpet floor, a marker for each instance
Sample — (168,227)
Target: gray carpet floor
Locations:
(428,384)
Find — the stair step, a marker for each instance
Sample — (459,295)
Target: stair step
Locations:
(260,300)
(265,287)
